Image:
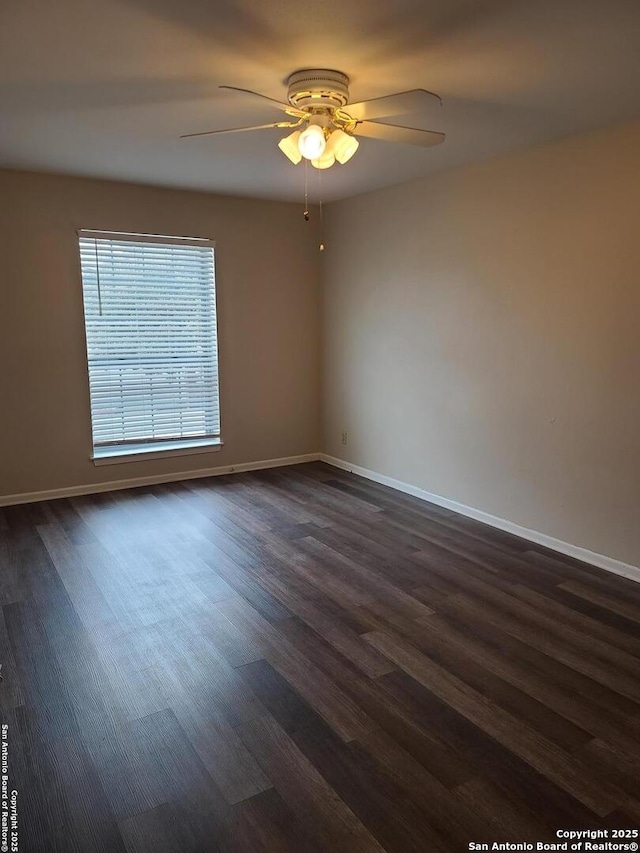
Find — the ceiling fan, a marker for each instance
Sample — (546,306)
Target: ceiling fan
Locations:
(325,125)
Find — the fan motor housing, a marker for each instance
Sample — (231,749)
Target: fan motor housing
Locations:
(318,87)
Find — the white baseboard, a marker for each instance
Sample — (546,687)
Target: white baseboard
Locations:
(583,554)
(156,479)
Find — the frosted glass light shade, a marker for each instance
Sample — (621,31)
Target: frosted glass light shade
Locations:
(325,162)
(289,147)
(343,146)
(311,142)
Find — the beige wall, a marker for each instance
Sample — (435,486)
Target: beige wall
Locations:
(268,294)
(482,337)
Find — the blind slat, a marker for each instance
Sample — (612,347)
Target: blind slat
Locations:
(150,318)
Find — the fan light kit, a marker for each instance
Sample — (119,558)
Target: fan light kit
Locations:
(325,125)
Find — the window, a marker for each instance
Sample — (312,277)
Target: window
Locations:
(150,318)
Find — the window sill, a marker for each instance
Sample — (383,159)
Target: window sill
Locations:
(157,450)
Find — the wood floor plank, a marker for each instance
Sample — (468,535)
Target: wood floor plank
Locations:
(370,578)
(476,672)
(327,622)
(383,783)
(609,665)
(125,778)
(450,823)
(474,617)
(604,672)
(11,583)
(11,694)
(607,582)
(520,738)
(235,646)
(385,497)
(587,717)
(397,567)
(514,777)
(165,829)
(607,632)
(614,764)
(236,566)
(375,793)
(332,703)
(304,789)
(414,734)
(173,767)
(213,738)
(265,824)
(627,609)
(92,827)
(171,772)
(515,817)
(41,677)
(88,599)
(183,655)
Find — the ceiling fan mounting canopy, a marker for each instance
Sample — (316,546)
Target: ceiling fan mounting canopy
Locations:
(318,87)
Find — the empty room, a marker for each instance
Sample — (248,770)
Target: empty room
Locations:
(320,434)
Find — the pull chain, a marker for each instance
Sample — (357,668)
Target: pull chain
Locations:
(306,191)
(306,202)
(321,245)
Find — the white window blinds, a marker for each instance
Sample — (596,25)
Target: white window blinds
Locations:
(150,316)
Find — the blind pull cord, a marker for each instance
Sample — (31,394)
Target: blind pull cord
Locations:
(95,246)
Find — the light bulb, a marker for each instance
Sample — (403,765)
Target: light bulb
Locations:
(343,146)
(289,147)
(325,161)
(311,142)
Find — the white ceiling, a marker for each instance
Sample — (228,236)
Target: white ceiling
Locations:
(105,87)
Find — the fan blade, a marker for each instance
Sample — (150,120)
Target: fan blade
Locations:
(398,133)
(399,104)
(288,109)
(241,129)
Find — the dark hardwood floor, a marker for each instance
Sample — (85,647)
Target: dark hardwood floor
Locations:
(302,660)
